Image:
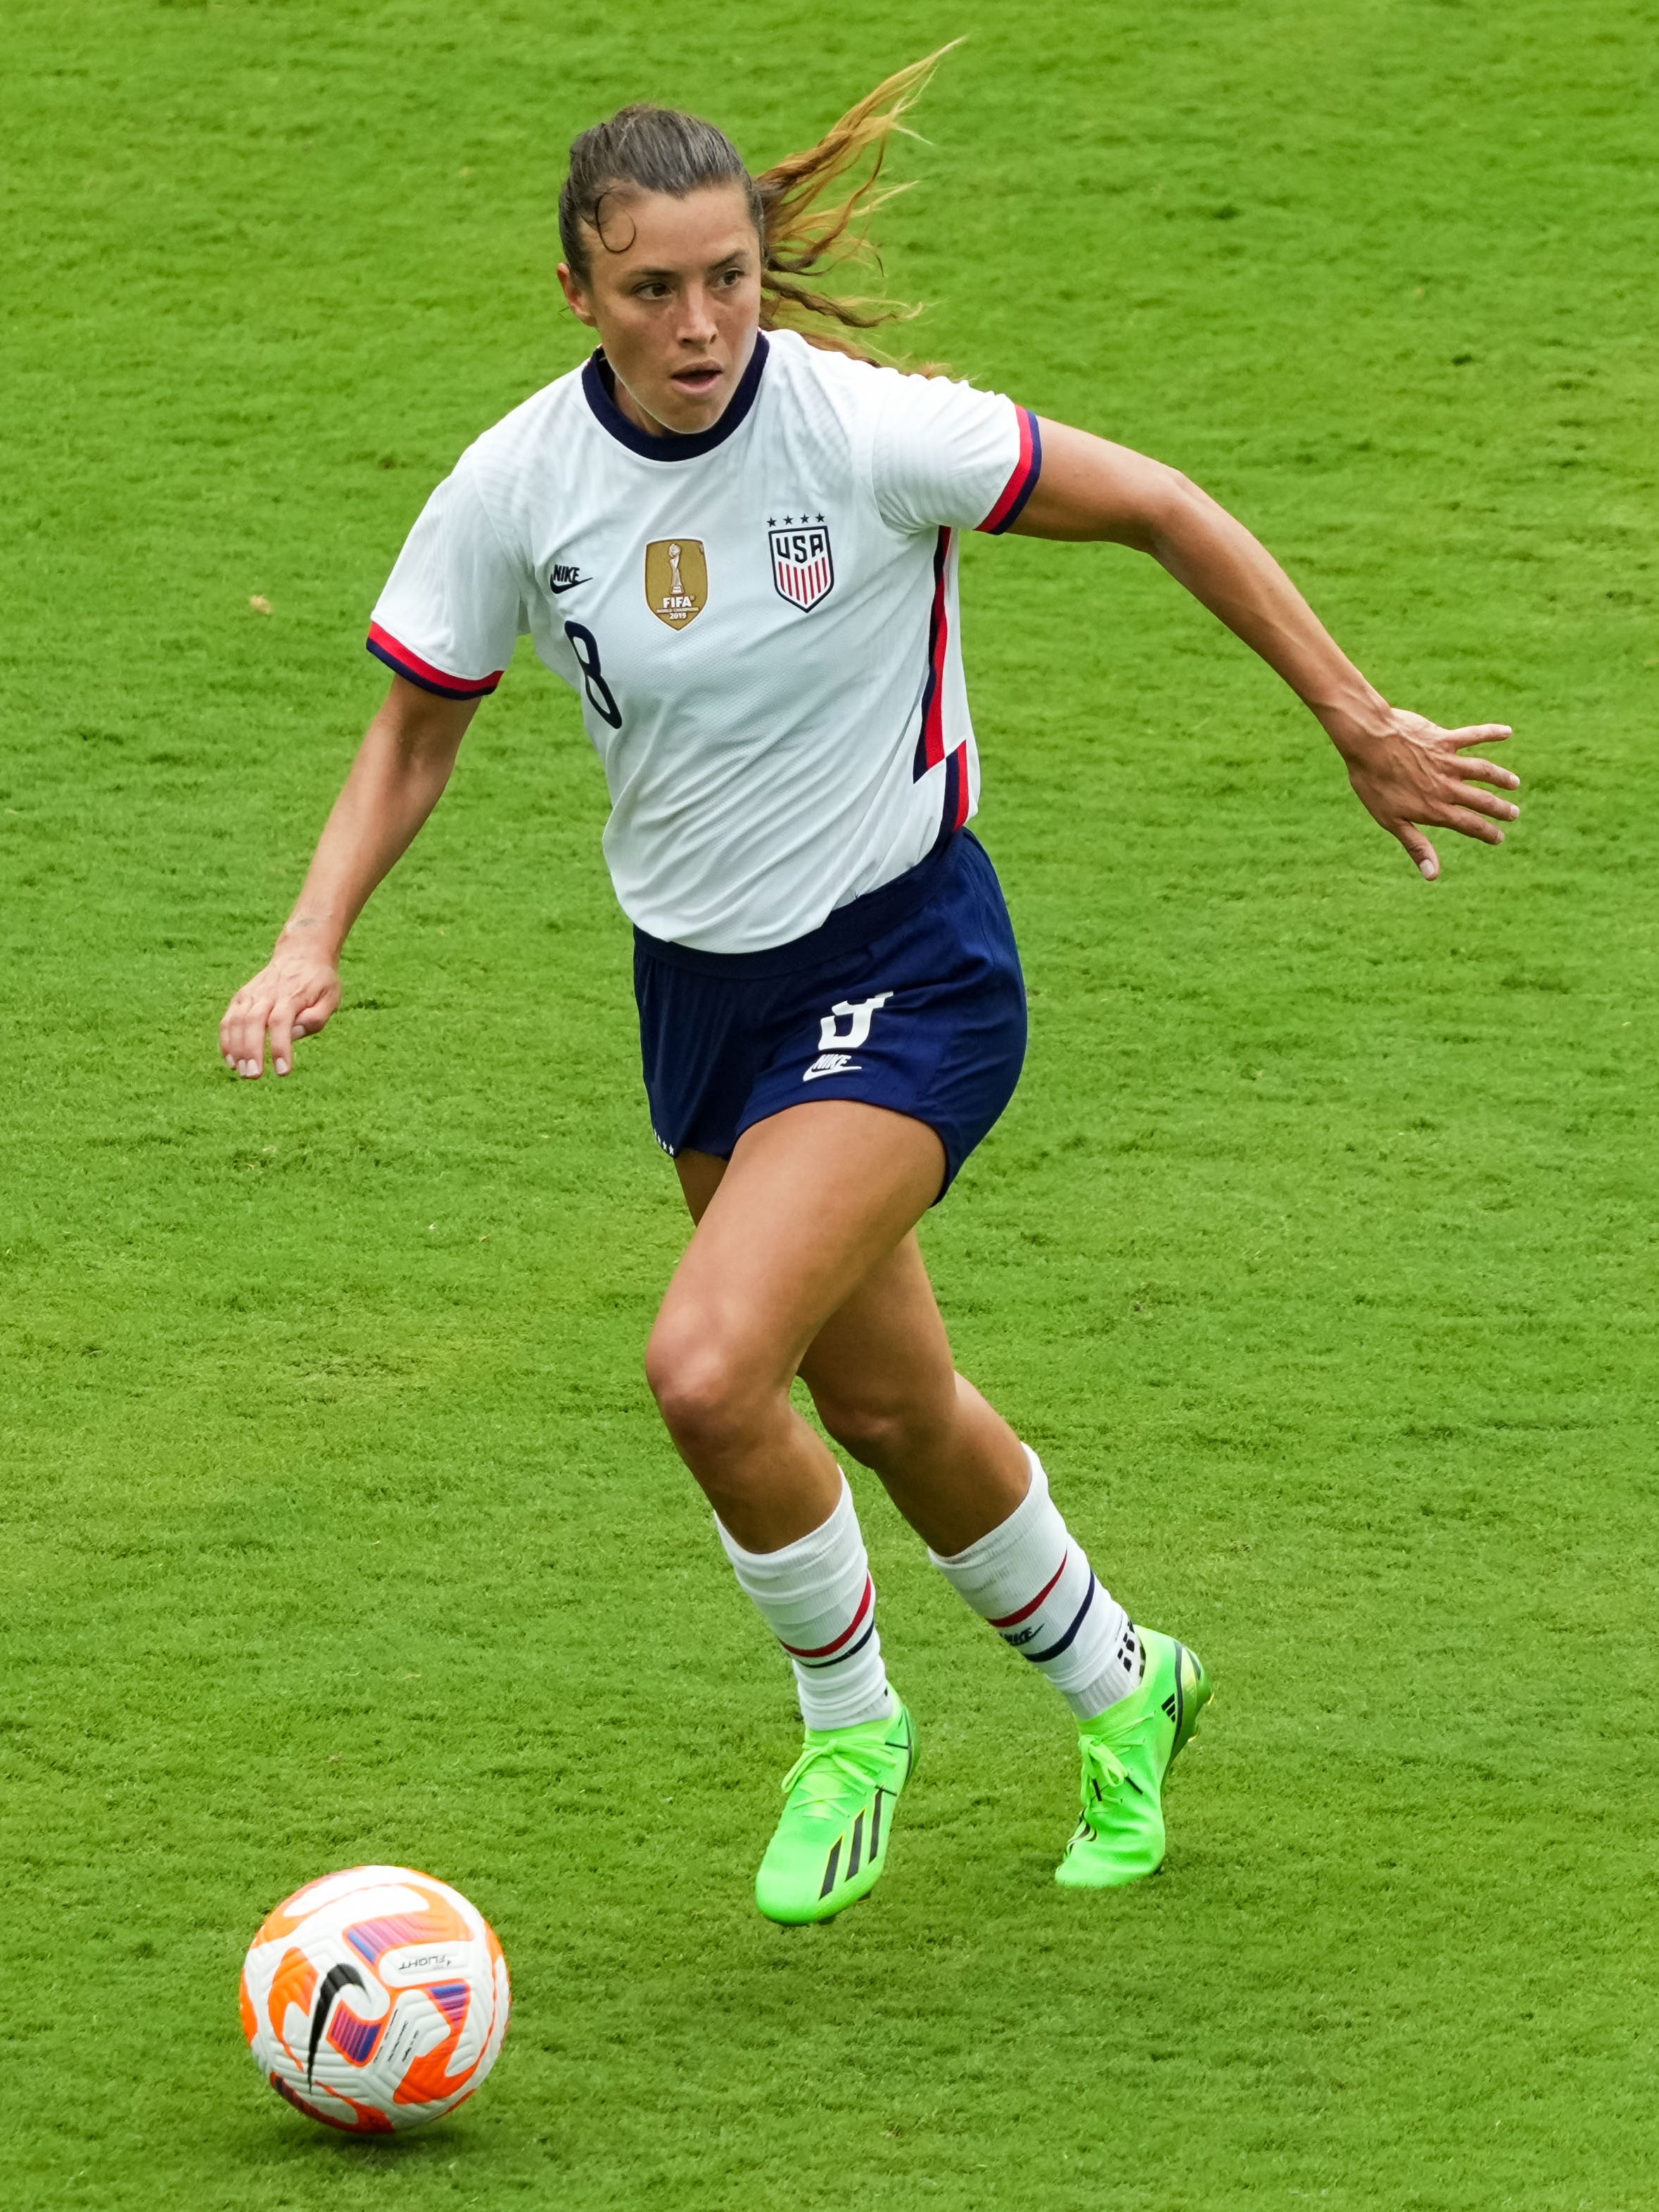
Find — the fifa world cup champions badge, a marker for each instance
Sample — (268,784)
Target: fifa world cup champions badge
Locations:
(676,580)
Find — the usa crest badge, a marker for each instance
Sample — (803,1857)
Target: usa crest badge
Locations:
(803,567)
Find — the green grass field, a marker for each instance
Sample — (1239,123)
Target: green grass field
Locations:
(1316,1254)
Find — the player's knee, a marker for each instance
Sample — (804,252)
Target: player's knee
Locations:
(705,1391)
(880,1433)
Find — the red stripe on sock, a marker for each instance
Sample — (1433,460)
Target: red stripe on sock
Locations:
(1012,1619)
(824,1650)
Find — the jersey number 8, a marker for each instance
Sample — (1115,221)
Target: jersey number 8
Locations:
(586,647)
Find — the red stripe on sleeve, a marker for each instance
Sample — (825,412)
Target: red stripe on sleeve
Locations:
(397,655)
(1023,483)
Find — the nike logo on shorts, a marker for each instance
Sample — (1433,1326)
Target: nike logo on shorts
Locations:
(834,1063)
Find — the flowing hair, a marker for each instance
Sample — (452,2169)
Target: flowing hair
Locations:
(813,211)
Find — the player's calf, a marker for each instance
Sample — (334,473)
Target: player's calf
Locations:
(1031,1579)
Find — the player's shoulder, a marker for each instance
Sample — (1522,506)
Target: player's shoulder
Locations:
(514,454)
(863,408)
(868,395)
(847,380)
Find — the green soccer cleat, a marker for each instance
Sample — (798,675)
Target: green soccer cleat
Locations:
(831,1844)
(1127,1753)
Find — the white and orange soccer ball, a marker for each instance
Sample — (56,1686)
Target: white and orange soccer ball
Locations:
(376,1999)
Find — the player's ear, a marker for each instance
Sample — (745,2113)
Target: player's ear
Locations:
(575,296)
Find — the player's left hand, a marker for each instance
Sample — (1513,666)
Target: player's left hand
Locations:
(1406,771)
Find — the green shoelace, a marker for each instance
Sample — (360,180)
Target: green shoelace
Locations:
(833,1767)
(1101,1766)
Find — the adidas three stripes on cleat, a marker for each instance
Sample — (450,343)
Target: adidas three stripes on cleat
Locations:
(1127,1752)
(830,1846)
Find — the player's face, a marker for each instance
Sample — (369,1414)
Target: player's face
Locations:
(673,290)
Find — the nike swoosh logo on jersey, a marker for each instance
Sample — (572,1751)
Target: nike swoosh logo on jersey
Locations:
(565,579)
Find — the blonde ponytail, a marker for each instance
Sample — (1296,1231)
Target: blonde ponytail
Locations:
(811,234)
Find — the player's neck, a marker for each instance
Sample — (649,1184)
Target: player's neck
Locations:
(642,417)
(629,405)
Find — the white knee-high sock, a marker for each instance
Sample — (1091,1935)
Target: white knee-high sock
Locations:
(1031,1579)
(817,1597)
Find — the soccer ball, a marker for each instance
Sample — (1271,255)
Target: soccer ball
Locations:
(374,2000)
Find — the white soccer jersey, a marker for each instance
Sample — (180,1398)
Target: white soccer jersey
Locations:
(761,621)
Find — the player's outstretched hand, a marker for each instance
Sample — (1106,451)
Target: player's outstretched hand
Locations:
(1411,771)
(292,996)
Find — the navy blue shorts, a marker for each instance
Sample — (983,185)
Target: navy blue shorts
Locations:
(909,998)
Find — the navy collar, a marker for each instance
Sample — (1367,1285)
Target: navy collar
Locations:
(599,383)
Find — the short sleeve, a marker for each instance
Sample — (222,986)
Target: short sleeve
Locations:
(451,612)
(944,453)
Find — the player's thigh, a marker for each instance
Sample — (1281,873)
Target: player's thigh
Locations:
(880,1367)
(811,1200)
(700,1174)
(883,1358)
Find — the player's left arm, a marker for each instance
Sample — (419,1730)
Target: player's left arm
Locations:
(1405,770)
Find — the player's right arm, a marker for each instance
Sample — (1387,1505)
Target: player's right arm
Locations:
(398,778)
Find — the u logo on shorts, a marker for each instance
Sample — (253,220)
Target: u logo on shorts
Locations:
(859,1018)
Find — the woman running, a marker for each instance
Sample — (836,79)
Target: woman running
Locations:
(737,541)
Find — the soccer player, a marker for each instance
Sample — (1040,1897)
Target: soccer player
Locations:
(735,536)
